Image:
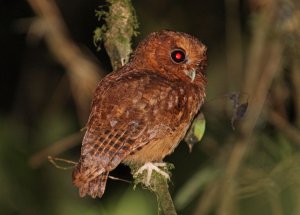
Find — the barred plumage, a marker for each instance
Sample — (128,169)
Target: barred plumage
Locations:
(142,111)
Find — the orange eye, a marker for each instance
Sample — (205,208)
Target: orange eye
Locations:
(178,55)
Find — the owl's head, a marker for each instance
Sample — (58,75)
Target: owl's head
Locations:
(173,54)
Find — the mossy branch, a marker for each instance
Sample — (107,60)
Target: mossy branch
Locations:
(119,28)
(158,184)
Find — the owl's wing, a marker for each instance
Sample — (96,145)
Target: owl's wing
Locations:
(102,150)
(122,111)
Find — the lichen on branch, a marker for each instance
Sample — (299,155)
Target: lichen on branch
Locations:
(119,28)
(158,184)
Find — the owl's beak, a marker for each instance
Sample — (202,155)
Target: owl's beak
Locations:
(191,74)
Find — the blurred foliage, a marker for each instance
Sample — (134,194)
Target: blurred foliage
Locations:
(253,49)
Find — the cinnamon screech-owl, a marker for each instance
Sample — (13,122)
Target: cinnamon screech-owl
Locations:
(141,111)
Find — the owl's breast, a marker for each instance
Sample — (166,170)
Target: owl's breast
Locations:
(170,120)
(154,111)
(180,105)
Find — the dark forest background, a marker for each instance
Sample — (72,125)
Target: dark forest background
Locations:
(253,51)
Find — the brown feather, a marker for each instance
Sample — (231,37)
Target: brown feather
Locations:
(141,111)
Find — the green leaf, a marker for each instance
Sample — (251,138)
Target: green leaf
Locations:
(196,131)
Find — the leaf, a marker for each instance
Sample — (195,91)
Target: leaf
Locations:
(196,131)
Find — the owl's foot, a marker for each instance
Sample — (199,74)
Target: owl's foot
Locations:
(149,167)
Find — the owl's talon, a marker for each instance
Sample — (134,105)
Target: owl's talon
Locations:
(150,167)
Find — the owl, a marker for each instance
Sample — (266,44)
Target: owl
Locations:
(141,111)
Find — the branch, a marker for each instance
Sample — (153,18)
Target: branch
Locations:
(82,71)
(164,197)
(158,184)
(54,149)
(120,27)
(291,132)
(117,34)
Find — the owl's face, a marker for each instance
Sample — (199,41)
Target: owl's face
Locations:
(173,54)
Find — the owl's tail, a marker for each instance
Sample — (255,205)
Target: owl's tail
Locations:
(90,181)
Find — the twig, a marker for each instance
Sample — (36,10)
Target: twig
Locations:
(53,160)
(119,179)
(83,72)
(54,149)
(285,127)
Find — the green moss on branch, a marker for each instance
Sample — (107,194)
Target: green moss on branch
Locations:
(119,28)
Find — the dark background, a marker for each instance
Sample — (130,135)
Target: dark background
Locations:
(39,109)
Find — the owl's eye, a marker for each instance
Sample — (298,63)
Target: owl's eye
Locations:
(178,55)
